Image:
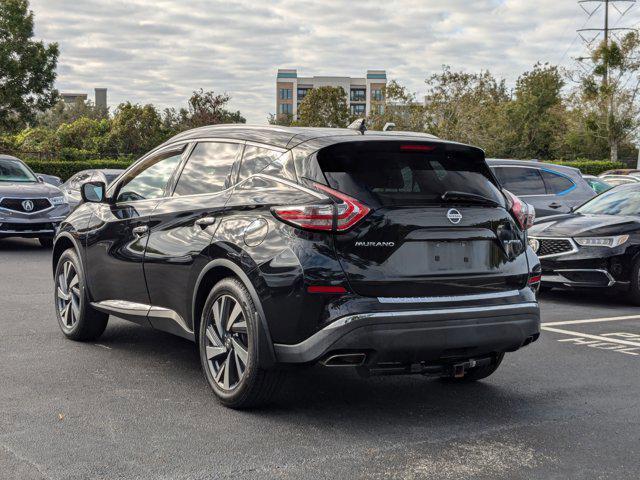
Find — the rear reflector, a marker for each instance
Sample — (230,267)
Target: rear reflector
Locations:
(326,289)
(334,217)
(417,148)
(535,279)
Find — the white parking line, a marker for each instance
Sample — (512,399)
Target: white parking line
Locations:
(590,320)
(593,337)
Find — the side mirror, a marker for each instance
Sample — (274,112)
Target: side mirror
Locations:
(40,179)
(93,192)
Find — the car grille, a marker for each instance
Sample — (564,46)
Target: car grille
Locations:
(554,246)
(15,204)
(25,227)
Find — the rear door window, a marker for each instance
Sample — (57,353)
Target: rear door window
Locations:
(521,180)
(394,173)
(208,169)
(556,183)
(256,159)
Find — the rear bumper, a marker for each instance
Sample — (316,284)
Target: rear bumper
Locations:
(424,335)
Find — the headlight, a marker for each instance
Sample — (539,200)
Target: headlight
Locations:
(55,201)
(601,241)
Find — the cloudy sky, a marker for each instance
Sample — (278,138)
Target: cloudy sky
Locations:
(159,51)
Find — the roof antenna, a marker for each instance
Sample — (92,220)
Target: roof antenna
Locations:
(359,124)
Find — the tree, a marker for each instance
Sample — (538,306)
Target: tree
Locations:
(136,129)
(62,113)
(203,108)
(324,107)
(282,119)
(536,115)
(468,108)
(609,93)
(401,107)
(27,67)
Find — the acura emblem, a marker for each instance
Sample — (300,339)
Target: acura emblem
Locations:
(454,216)
(27,205)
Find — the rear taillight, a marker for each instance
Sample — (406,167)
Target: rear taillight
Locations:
(524,213)
(328,217)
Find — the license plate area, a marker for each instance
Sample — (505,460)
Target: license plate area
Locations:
(457,256)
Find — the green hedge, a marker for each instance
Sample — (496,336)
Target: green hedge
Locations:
(65,169)
(592,167)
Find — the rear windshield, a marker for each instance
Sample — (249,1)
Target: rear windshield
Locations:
(396,173)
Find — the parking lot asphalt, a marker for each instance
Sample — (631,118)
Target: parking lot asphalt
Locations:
(135,405)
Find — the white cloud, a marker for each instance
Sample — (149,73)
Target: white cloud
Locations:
(159,51)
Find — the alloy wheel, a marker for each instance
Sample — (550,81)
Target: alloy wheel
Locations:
(68,295)
(226,343)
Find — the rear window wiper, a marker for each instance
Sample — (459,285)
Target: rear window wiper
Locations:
(469,197)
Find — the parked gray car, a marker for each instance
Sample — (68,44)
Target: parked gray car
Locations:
(29,207)
(550,188)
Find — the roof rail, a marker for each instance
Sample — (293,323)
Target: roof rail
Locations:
(360,124)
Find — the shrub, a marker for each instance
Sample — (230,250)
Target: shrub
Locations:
(65,169)
(591,167)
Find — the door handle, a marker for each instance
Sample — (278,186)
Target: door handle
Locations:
(141,230)
(205,222)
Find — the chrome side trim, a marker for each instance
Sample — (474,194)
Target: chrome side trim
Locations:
(451,298)
(427,313)
(161,312)
(574,246)
(123,307)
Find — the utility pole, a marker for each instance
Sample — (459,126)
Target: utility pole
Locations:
(591,37)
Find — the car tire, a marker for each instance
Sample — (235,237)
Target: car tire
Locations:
(633,294)
(46,242)
(228,346)
(478,373)
(77,319)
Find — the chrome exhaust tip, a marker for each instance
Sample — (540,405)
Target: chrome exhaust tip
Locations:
(345,360)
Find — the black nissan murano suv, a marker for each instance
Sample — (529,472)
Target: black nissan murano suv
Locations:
(387,252)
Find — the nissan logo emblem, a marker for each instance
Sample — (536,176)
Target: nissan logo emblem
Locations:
(454,216)
(27,205)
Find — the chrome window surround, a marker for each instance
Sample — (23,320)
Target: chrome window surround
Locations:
(574,246)
(50,207)
(187,151)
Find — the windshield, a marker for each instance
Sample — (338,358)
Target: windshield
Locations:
(619,201)
(15,171)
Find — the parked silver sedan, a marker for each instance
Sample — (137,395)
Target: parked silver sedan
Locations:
(29,207)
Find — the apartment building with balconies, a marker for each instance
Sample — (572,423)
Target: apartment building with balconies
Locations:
(365,95)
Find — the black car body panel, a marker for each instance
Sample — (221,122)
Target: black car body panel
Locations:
(551,189)
(565,263)
(155,260)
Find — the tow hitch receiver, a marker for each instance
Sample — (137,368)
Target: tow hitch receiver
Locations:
(459,369)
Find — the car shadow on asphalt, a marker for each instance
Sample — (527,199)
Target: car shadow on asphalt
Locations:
(327,392)
(595,297)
